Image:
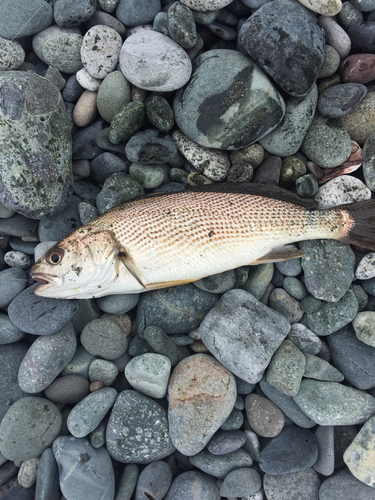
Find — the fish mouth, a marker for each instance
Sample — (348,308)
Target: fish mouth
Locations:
(47,281)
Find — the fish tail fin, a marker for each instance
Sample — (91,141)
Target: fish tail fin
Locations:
(360,226)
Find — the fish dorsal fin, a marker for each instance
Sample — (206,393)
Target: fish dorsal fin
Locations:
(279,254)
(266,190)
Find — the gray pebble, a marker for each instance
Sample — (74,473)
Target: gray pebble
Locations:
(326,459)
(61,225)
(217,283)
(243,387)
(118,304)
(103,370)
(87,212)
(14,14)
(295,288)
(84,146)
(220,465)
(45,359)
(106,164)
(224,442)
(127,482)
(86,191)
(149,374)
(88,413)
(252,445)
(113,95)
(293,486)
(100,17)
(117,189)
(39,315)
(47,477)
(291,267)
(159,113)
(307,186)
(70,389)
(149,147)
(361,296)
(97,436)
(137,431)
(8,332)
(338,100)
(72,90)
(149,176)
(286,305)
(7,471)
(258,279)
(83,470)
(154,481)
(242,482)
(12,283)
(160,342)
(104,338)
(264,417)
(28,428)
(27,473)
(319,369)
(343,484)
(310,304)
(131,13)
(234,421)
(349,15)
(193,485)
(181,25)
(286,368)
(330,64)
(11,356)
(26,247)
(138,346)
(269,171)
(79,364)
(68,13)
(368,157)
(126,122)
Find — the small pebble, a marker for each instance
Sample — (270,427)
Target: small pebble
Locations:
(286,305)
(326,459)
(154,481)
(304,339)
(17,259)
(220,465)
(336,36)
(358,68)
(286,368)
(364,327)
(70,389)
(366,267)
(242,482)
(265,417)
(149,374)
(47,477)
(27,473)
(320,369)
(293,486)
(103,371)
(224,442)
(126,122)
(104,338)
(113,95)
(100,51)
(85,109)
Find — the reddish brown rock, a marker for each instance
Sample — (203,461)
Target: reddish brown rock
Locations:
(265,418)
(358,68)
(202,394)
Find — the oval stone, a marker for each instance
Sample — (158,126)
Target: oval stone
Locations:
(229,102)
(202,394)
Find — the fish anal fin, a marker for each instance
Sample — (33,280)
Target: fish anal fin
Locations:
(279,254)
(127,261)
(166,284)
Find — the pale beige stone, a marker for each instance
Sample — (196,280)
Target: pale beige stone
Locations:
(324,7)
(85,110)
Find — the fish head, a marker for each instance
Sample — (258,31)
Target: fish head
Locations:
(82,265)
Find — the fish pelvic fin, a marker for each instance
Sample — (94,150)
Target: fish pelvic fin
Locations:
(125,258)
(167,284)
(279,254)
(360,225)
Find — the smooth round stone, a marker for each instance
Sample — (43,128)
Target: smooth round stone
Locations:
(85,110)
(198,380)
(286,404)
(39,315)
(28,428)
(286,305)
(117,189)
(235,120)
(18,225)
(47,477)
(324,7)
(360,121)
(299,485)
(128,482)
(265,418)
(59,48)
(283,34)
(368,165)
(181,25)
(45,359)
(286,368)
(13,54)
(359,456)
(335,36)
(126,122)
(217,283)
(319,369)
(62,224)
(330,403)
(87,191)
(27,472)
(26,96)
(329,268)
(105,19)
(341,190)
(149,176)
(72,90)
(259,278)
(358,68)
(224,442)
(364,5)
(113,94)
(150,146)
(159,113)
(83,470)
(11,357)
(137,430)
(154,481)
(326,459)
(331,62)
(349,15)
(131,13)
(19,245)
(152,61)
(332,316)
(364,327)
(253,154)
(12,283)
(14,15)
(295,288)
(326,142)
(297,446)
(8,332)
(79,364)
(70,389)
(304,339)
(234,421)
(68,13)
(118,304)
(193,485)
(213,164)
(362,35)
(338,100)
(103,371)
(242,482)
(104,165)
(286,138)
(353,358)
(361,295)
(206,5)
(161,343)
(292,168)
(88,413)
(87,81)
(175,310)
(221,332)
(84,146)
(307,186)
(220,465)
(343,484)
(149,374)
(104,338)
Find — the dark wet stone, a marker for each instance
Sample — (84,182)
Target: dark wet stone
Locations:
(68,14)
(297,447)
(28,428)
(224,442)
(154,481)
(47,478)
(40,315)
(176,310)
(18,493)
(227,116)
(264,417)
(258,279)
(181,25)
(8,332)
(86,191)
(338,100)
(283,35)
(84,145)
(234,421)
(362,36)
(36,138)
(126,122)
(220,465)
(242,482)
(60,226)
(137,431)
(117,189)
(104,165)
(326,459)
(160,342)
(83,470)
(150,146)
(12,283)
(13,17)
(269,171)
(11,356)
(358,68)
(159,113)
(353,358)
(193,485)
(72,90)
(293,486)
(18,225)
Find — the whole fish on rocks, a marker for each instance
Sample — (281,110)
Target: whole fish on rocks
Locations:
(163,240)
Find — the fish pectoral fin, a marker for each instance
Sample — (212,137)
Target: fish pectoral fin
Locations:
(279,254)
(166,284)
(127,261)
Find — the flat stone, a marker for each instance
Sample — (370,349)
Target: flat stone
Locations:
(61,225)
(103,371)
(106,164)
(47,477)
(368,165)
(104,338)
(259,277)
(292,486)
(28,428)
(304,339)
(297,446)
(131,13)
(330,403)
(193,485)
(45,359)
(149,374)
(113,94)
(265,417)
(198,381)
(286,368)
(154,481)
(285,35)
(239,81)
(286,305)
(83,470)
(15,13)
(242,482)
(326,459)
(11,357)
(137,430)
(155,62)
(12,283)
(235,329)
(161,343)
(224,442)
(118,304)
(220,465)
(68,14)
(319,369)
(358,68)
(343,484)
(338,100)
(150,146)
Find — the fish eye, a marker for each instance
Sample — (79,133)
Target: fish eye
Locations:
(54,256)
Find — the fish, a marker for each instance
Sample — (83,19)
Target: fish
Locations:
(167,239)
